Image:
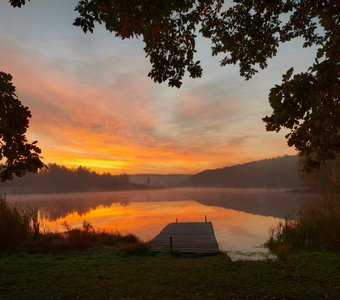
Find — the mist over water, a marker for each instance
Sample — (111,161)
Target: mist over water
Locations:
(241,217)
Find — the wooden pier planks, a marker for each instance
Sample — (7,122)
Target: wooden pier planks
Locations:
(187,237)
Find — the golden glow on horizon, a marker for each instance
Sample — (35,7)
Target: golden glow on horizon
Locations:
(96,164)
(118,127)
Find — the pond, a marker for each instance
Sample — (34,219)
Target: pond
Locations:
(241,218)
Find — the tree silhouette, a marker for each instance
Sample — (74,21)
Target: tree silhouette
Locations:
(325,180)
(248,32)
(18,3)
(19,155)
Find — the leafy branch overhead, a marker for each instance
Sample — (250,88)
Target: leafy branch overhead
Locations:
(247,33)
(20,156)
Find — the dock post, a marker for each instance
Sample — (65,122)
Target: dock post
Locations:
(176,220)
(205,217)
(171,244)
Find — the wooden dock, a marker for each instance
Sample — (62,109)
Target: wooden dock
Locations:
(186,237)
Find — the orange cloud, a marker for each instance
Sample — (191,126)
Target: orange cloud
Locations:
(119,126)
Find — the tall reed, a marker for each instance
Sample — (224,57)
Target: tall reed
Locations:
(316,228)
(16,226)
(20,231)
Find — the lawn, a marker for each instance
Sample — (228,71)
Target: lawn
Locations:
(107,274)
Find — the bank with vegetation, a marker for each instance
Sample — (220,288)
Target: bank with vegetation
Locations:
(84,263)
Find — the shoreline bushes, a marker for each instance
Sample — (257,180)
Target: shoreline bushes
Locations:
(20,231)
(16,226)
(317,228)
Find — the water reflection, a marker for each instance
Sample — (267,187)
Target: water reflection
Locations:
(266,202)
(241,217)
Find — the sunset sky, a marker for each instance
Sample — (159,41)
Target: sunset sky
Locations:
(93,104)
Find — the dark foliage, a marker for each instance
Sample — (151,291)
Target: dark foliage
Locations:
(84,238)
(20,231)
(248,33)
(18,3)
(16,226)
(326,179)
(317,228)
(20,156)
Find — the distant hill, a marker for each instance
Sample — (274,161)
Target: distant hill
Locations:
(281,172)
(159,180)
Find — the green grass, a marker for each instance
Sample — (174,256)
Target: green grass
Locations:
(105,273)
(111,266)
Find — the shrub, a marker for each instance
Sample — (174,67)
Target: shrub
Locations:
(316,228)
(84,238)
(137,247)
(79,239)
(16,226)
(20,230)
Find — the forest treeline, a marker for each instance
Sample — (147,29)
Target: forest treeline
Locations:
(59,179)
(280,172)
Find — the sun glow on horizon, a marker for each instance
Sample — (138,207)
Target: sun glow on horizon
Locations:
(94,106)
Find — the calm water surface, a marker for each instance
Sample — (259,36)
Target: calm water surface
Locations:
(241,217)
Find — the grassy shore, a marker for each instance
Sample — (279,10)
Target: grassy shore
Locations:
(108,274)
(84,263)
